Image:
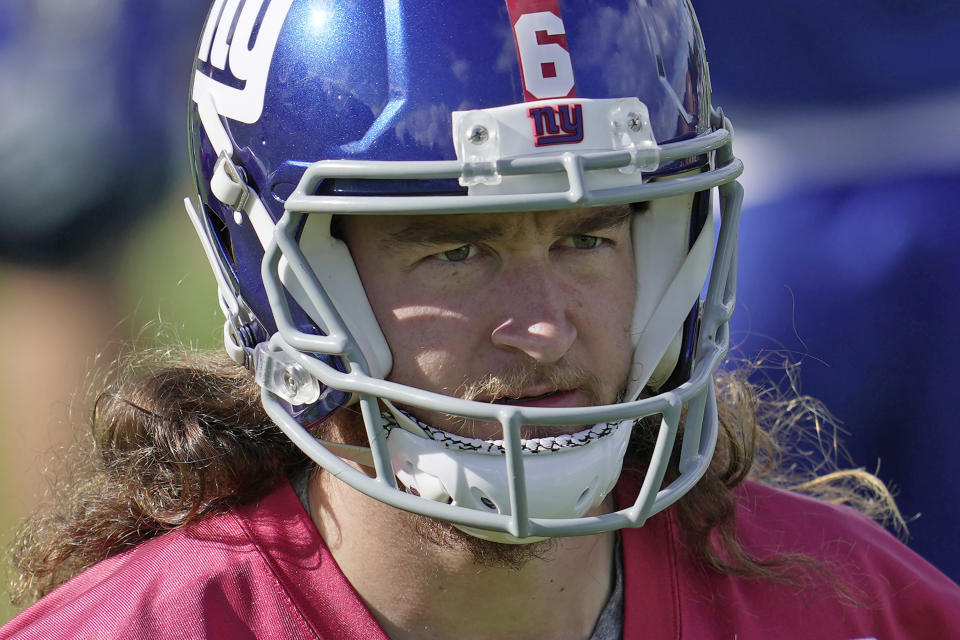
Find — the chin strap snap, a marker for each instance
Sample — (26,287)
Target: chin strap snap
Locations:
(227,183)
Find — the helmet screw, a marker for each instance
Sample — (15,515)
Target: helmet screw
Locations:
(290,383)
(634,121)
(478,135)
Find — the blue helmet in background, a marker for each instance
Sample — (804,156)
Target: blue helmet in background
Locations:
(302,110)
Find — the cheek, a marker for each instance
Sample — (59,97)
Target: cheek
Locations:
(609,290)
(423,325)
(625,285)
(604,314)
(430,342)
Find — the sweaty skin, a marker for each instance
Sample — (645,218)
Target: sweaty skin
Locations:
(527,308)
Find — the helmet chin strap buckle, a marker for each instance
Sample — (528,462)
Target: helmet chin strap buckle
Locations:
(280,373)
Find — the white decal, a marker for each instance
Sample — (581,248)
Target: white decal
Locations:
(547,70)
(249,62)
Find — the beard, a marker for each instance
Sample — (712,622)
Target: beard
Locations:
(486,554)
(511,382)
(347,427)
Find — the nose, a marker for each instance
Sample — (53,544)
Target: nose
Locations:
(535,320)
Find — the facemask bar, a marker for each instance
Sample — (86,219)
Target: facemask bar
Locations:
(573,165)
(701,428)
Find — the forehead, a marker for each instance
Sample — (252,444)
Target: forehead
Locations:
(398,230)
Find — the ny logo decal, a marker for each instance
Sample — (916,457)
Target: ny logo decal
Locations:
(249,60)
(562,124)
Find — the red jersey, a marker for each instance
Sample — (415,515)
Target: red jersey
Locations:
(263,571)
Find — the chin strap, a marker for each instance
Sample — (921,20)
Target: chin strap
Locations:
(355,453)
(659,340)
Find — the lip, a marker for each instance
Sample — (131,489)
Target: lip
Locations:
(547,399)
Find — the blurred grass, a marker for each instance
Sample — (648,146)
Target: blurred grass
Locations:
(166,292)
(166,283)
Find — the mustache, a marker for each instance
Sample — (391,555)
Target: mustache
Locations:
(513,382)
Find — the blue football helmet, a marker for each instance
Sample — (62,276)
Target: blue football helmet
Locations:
(302,110)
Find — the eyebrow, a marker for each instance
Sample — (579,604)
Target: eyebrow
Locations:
(600,220)
(432,231)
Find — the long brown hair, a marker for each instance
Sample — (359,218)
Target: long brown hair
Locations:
(773,434)
(177,436)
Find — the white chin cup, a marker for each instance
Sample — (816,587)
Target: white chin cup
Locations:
(567,482)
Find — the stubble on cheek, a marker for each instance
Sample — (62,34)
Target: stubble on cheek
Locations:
(485,554)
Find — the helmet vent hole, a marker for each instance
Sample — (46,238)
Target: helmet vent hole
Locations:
(479,496)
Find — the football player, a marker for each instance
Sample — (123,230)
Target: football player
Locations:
(476,295)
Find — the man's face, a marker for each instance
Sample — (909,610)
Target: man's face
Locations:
(528,308)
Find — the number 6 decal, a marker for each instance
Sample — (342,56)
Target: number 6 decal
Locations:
(542,49)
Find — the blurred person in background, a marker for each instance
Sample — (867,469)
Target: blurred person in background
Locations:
(848,256)
(91,93)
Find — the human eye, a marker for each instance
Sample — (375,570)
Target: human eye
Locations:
(583,241)
(459,254)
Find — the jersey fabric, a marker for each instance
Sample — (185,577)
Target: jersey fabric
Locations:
(263,571)
(898,595)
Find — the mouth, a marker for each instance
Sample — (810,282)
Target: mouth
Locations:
(537,398)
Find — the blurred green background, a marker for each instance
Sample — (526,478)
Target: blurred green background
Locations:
(166,292)
(96,251)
